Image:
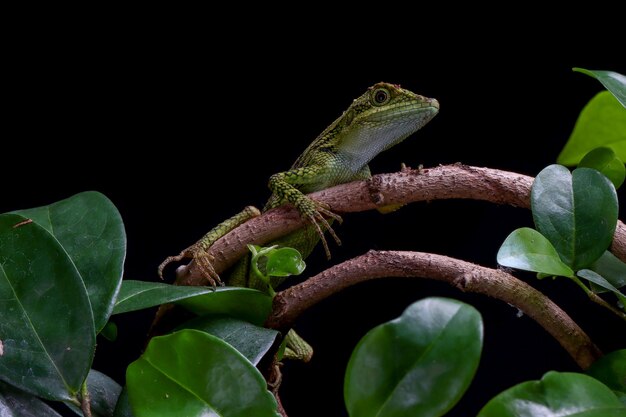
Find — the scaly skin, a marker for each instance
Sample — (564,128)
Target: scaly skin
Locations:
(382,117)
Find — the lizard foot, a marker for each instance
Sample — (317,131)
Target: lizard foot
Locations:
(203,260)
(315,217)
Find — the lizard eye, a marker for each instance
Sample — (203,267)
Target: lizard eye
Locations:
(380,97)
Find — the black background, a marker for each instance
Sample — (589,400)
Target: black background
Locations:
(181,127)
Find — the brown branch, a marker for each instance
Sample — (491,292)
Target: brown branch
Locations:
(289,304)
(443,182)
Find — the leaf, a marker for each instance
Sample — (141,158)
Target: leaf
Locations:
(190,373)
(90,229)
(104,393)
(611,268)
(599,280)
(138,295)
(602,122)
(556,395)
(16,403)
(122,408)
(251,341)
(237,302)
(611,370)
(109,331)
(612,81)
(604,160)
(576,212)
(283,262)
(419,364)
(47,330)
(529,250)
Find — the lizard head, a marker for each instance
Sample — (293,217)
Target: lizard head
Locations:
(383,116)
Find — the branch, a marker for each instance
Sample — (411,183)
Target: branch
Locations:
(443,182)
(289,304)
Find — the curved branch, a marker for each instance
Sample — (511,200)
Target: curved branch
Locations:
(443,182)
(289,304)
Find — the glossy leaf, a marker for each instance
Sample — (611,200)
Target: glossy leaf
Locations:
(612,81)
(237,302)
(138,295)
(604,160)
(109,331)
(611,371)
(576,212)
(191,373)
(104,393)
(47,331)
(251,341)
(17,403)
(419,364)
(283,262)
(602,122)
(527,249)
(91,231)
(556,395)
(611,268)
(600,281)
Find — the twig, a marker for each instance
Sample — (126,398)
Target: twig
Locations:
(289,304)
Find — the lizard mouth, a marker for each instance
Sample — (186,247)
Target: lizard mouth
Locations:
(411,111)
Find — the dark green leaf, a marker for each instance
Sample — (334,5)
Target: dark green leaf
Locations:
(123,408)
(611,370)
(611,268)
(251,341)
(137,295)
(190,373)
(16,403)
(47,331)
(283,262)
(604,160)
(556,395)
(527,249)
(600,281)
(109,331)
(237,302)
(419,364)
(601,123)
(90,229)
(104,394)
(612,81)
(576,212)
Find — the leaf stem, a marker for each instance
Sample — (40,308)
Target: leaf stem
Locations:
(597,299)
(85,400)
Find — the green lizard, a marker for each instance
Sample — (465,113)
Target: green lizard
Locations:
(382,117)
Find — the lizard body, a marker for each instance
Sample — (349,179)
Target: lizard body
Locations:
(382,117)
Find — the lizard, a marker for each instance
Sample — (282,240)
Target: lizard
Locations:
(380,118)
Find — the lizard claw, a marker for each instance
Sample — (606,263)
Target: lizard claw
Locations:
(316,218)
(208,271)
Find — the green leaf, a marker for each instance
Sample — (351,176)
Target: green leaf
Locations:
(612,81)
(90,229)
(601,123)
(237,302)
(527,249)
(611,370)
(556,395)
(47,332)
(109,331)
(283,262)
(104,393)
(576,212)
(123,408)
(190,373)
(16,403)
(419,364)
(604,160)
(251,341)
(599,280)
(611,268)
(138,295)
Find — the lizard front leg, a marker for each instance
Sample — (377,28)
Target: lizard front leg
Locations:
(283,186)
(199,250)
